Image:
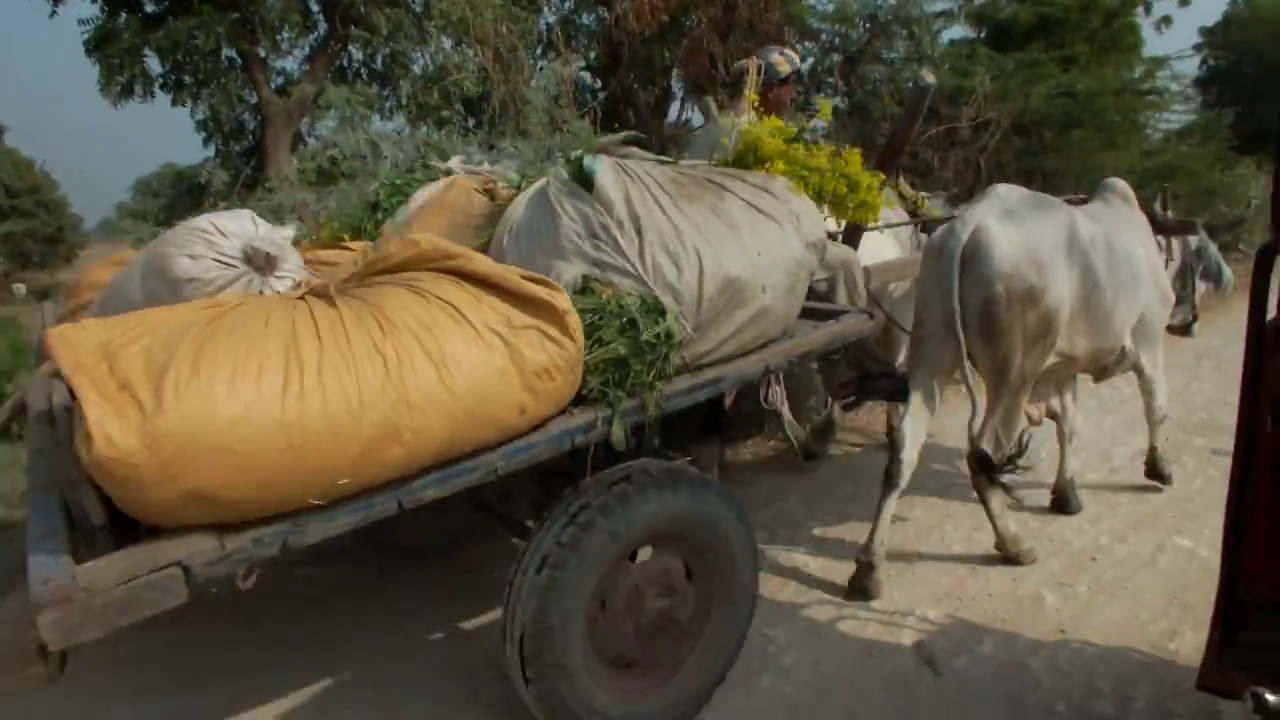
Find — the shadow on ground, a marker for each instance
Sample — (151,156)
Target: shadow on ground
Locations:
(382,624)
(789,499)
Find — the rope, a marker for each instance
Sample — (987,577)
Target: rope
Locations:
(875,301)
(773,396)
(754,67)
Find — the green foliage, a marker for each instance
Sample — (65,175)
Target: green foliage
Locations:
(1206,179)
(15,354)
(349,181)
(633,345)
(1239,65)
(1051,94)
(38,229)
(158,200)
(252,73)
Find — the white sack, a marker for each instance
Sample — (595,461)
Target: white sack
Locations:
(731,251)
(229,252)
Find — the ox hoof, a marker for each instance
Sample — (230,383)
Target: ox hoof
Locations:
(1016,552)
(1157,470)
(1066,502)
(864,584)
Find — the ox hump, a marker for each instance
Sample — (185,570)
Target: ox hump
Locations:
(1115,188)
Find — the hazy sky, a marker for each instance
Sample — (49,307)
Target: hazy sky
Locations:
(49,100)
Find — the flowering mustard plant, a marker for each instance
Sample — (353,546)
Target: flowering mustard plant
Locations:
(832,176)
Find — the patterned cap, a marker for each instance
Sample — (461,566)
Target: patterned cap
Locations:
(780,63)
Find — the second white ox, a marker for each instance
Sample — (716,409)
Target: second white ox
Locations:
(1029,292)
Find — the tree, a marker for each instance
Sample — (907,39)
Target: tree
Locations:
(1050,94)
(1240,61)
(38,229)
(251,71)
(158,200)
(633,51)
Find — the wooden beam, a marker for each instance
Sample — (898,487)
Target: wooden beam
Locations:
(895,145)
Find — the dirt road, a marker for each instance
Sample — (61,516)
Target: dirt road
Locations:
(1109,624)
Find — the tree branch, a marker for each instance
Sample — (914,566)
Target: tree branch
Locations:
(324,55)
(255,67)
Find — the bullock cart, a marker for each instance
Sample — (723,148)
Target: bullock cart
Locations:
(612,539)
(637,580)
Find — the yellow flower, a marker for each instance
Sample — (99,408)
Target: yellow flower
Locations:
(831,176)
(826,110)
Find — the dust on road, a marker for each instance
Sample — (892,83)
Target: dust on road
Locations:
(1109,624)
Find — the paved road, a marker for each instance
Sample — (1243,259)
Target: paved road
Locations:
(1109,624)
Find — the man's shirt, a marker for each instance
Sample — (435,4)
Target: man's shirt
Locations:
(715,140)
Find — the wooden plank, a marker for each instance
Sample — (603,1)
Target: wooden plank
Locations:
(90,523)
(823,311)
(578,428)
(97,615)
(896,144)
(339,519)
(242,548)
(146,557)
(50,568)
(885,273)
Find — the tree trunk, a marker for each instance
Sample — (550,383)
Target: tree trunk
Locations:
(281,122)
(280,117)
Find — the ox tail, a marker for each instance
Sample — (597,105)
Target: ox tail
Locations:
(961,228)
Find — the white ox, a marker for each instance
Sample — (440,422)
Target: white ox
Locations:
(1031,292)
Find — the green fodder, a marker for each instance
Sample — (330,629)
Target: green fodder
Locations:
(633,345)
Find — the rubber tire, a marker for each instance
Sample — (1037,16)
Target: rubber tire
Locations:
(597,521)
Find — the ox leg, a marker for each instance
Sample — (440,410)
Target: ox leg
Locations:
(907,426)
(1149,370)
(1065,498)
(998,434)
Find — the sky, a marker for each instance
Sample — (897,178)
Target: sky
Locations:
(50,102)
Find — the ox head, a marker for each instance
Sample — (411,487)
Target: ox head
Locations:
(1194,263)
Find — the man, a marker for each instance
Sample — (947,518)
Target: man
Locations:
(803,405)
(774,70)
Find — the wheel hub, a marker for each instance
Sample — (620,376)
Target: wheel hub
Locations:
(649,615)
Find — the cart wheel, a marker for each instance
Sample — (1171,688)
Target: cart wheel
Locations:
(54,662)
(633,598)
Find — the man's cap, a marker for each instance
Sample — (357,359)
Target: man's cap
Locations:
(779,63)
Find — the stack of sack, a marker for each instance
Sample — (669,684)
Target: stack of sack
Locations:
(732,252)
(219,381)
(224,375)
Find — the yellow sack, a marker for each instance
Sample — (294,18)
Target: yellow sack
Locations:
(329,264)
(85,283)
(460,208)
(231,409)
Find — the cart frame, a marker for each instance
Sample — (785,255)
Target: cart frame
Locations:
(85,583)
